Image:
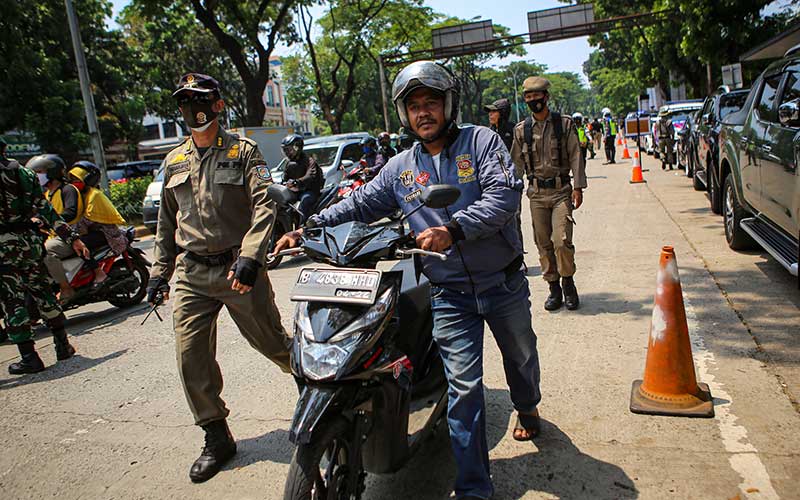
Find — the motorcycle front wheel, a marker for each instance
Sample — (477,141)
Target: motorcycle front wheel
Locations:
(120,272)
(320,469)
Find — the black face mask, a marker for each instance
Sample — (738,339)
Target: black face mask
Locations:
(536,105)
(198,114)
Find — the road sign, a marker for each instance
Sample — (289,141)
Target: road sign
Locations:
(573,20)
(463,39)
(732,76)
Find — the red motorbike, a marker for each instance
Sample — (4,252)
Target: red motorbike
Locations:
(351,181)
(126,284)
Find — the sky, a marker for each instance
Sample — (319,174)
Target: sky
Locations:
(562,55)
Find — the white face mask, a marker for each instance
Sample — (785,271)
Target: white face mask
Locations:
(42,179)
(203,128)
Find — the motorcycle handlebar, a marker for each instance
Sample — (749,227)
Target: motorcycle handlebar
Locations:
(419,251)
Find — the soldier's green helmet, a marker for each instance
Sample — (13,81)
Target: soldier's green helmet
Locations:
(50,165)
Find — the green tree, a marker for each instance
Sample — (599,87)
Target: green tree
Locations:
(500,83)
(247,31)
(341,63)
(39,90)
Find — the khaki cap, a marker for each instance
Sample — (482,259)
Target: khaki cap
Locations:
(535,84)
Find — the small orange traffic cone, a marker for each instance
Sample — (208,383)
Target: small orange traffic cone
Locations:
(619,140)
(636,171)
(626,155)
(669,386)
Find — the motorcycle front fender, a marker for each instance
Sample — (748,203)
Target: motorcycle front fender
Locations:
(138,253)
(314,403)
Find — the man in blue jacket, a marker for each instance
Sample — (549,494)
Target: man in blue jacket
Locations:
(481,281)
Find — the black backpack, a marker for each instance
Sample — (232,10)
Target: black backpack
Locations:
(558,128)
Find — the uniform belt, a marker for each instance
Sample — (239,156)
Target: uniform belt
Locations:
(550,183)
(218,259)
(18,227)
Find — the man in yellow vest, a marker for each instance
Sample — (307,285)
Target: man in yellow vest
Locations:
(609,135)
(583,139)
(68,203)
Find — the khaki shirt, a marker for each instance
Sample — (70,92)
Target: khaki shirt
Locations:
(214,203)
(545,152)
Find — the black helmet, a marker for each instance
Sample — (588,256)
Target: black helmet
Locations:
(51,165)
(87,172)
(433,76)
(368,141)
(292,146)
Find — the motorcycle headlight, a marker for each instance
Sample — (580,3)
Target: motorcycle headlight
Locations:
(322,360)
(370,319)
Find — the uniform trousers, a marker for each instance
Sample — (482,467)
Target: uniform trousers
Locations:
(200,293)
(551,212)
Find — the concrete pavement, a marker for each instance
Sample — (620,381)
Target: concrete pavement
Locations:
(112,422)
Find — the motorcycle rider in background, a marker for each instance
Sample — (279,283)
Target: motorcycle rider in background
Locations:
(99,225)
(68,203)
(302,174)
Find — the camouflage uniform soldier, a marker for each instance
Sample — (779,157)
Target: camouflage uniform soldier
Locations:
(546,145)
(22,269)
(214,212)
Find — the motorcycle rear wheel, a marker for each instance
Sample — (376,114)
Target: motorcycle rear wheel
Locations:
(319,469)
(140,272)
(277,232)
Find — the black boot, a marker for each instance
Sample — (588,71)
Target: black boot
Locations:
(64,349)
(570,293)
(219,448)
(555,299)
(30,362)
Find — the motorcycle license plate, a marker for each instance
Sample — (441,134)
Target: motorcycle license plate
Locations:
(350,286)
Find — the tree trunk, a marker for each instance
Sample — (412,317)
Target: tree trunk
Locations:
(710,87)
(255,103)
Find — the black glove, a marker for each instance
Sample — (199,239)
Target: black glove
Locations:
(245,270)
(156,286)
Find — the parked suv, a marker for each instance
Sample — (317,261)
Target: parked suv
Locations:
(715,108)
(759,148)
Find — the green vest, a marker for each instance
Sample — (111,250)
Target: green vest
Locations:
(581,134)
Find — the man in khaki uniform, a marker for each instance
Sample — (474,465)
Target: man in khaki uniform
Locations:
(213,231)
(546,146)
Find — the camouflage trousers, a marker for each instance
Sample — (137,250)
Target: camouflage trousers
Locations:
(23,273)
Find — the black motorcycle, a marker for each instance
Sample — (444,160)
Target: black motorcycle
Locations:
(373,384)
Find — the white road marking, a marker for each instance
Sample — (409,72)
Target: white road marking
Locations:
(744,459)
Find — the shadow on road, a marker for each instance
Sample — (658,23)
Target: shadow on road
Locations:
(62,369)
(274,446)
(555,465)
(612,303)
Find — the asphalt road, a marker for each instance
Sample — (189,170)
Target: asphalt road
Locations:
(112,422)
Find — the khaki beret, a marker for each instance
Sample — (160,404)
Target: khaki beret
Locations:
(535,84)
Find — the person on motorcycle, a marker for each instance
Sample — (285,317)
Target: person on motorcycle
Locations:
(481,281)
(99,225)
(68,203)
(377,159)
(302,174)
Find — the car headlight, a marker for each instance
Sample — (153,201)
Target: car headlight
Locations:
(148,202)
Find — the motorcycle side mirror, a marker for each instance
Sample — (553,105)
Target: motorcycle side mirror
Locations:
(789,114)
(707,119)
(280,194)
(440,195)
(346,164)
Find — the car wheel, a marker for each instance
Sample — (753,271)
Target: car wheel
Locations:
(732,215)
(697,184)
(714,194)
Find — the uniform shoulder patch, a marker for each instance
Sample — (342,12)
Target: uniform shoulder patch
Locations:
(178,158)
(261,170)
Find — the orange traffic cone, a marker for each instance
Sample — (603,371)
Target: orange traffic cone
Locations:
(636,171)
(626,155)
(669,386)
(619,140)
